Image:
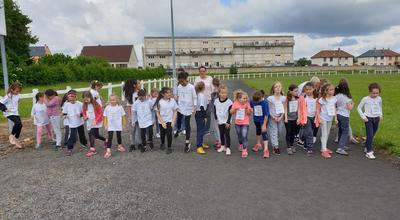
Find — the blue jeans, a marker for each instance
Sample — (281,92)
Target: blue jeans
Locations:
(308,133)
(242,131)
(201,128)
(344,127)
(371,128)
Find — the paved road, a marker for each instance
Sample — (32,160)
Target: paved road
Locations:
(47,185)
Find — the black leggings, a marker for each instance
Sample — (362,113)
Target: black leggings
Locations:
(16,130)
(72,136)
(93,135)
(187,124)
(259,131)
(110,138)
(149,131)
(166,131)
(291,131)
(225,136)
(66,134)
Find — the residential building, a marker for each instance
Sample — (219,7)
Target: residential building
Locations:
(332,58)
(219,51)
(382,57)
(119,56)
(36,52)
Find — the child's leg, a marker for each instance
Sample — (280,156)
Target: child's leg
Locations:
(227,134)
(244,132)
(376,124)
(273,132)
(82,136)
(16,130)
(119,138)
(92,138)
(150,134)
(258,132)
(163,131)
(179,122)
(343,131)
(222,131)
(143,135)
(56,125)
(288,133)
(309,134)
(72,138)
(49,132)
(238,129)
(215,128)
(293,130)
(208,114)
(39,130)
(325,129)
(66,134)
(200,129)
(169,134)
(110,139)
(97,135)
(187,127)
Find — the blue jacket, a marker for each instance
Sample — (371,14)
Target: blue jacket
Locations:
(265,110)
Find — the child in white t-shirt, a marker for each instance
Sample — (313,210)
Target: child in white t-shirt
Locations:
(95,88)
(153,98)
(72,110)
(41,119)
(142,109)
(131,88)
(166,108)
(114,121)
(327,114)
(276,102)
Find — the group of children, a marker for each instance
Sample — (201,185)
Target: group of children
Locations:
(302,113)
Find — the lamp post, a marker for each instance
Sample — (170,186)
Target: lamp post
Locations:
(3,33)
(173,48)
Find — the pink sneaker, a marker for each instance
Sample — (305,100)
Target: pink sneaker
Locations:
(326,154)
(121,148)
(266,154)
(256,147)
(217,144)
(244,153)
(107,154)
(91,152)
(240,147)
(329,150)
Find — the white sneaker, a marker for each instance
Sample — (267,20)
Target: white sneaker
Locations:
(370,155)
(184,132)
(314,140)
(228,152)
(221,149)
(158,135)
(354,141)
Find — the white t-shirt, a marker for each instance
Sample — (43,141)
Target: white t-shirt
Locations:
(11,102)
(114,116)
(74,114)
(341,105)
(134,97)
(373,107)
(166,109)
(65,121)
(222,110)
(96,96)
(311,105)
(39,113)
(277,105)
(187,99)
(209,88)
(91,118)
(328,108)
(202,100)
(142,110)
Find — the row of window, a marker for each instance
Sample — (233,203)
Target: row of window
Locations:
(331,59)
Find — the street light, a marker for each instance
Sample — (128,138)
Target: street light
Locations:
(3,33)
(173,48)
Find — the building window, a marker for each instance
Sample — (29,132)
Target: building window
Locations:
(331,59)
(258,48)
(346,58)
(195,56)
(205,42)
(151,64)
(224,49)
(121,65)
(162,57)
(277,55)
(217,63)
(205,49)
(381,64)
(196,64)
(206,64)
(151,57)
(324,59)
(382,58)
(215,49)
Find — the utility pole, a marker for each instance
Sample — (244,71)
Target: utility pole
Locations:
(173,49)
(3,33)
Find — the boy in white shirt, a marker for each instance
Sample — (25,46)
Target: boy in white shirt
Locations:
(72,110)
(187,101)
(372,115)
(142,109)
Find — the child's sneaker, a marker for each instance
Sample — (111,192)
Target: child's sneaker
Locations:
(289,151)
(176,134)
(200,150)
(240,148)
(329,150)
(294,149)
(221,149)
(184,132)
(370,155)
(57,147)
(310,153)
(162,146)
(266,154)
(228,152)
(158,135)
(132,148)
(69,153)
(256,147)
(276,150)
(314,140)
(217,144)
(142,148)
(187,147)
(107,154)
(38,146)
(336,140)
(92,151)
(342,152)
(244,153)
(353,140)
(121,148)
(325,154)
(12,139)
(205,146)
(300,143)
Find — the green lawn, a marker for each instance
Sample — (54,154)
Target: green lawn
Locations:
(25,105)
(388,137)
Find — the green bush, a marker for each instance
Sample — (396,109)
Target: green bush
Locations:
(233,70)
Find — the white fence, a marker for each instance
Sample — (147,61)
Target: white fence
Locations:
(159,83)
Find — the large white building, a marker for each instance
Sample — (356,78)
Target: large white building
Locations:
(332,58)
(218,52)
(382,57)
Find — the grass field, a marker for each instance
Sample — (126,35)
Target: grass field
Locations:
(25,105)
(388,137)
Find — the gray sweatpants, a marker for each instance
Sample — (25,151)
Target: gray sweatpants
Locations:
(56,125)
(135,134)
(274,130)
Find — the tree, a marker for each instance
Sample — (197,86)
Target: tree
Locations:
(19,37)
(303,62)
(233,70)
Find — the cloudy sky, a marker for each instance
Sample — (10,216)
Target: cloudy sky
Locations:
(353,25)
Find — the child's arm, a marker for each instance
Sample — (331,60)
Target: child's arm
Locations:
(3,103)
(105,122)
(359,110)
(228,122)
(285,108)
(174,119)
